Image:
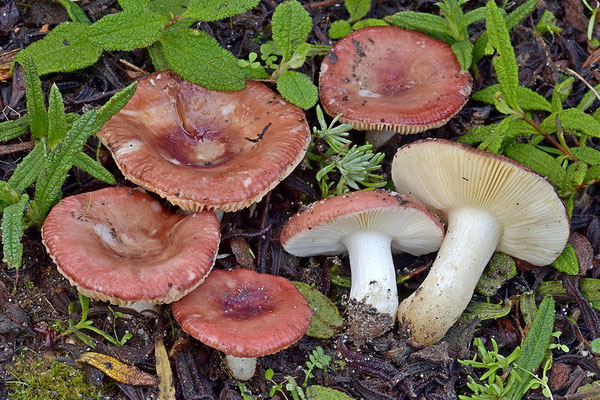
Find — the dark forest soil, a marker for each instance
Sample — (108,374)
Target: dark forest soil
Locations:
(34,302)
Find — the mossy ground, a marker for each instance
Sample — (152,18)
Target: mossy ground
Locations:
(37,378)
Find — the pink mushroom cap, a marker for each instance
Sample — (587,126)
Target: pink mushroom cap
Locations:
(389,78)
(120,245)
(244,313)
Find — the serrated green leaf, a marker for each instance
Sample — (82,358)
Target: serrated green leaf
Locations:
(357,8)
(576,173)
(526,98)
(471,17)
(12,232)
(339,29)
(291,25)
(433,25)
(505,62)
(94,168)
(158,58)
(477,135)
(588,99)
(167,8)
(114,105)
(29,168)
(36,106)
(13,129)
(463,51)
(567,261)
(560,93)
(127,30)
(7,194)
(57,119)
(586,154)
(212,10)
(590,289)
(75,12)
(574,120)
(528,307)
(539,161)
(547,24)
(500,268)
(592,175)
(200,59)
(139,5)
(48,189)
(493,142)
(66,48)
(485,311)
(316,392)
(326,320)
(298,89)
(535,347)
(364,23)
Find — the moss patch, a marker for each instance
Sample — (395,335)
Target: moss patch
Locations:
(36,378)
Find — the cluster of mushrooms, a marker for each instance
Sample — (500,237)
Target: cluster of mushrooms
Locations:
(205,150)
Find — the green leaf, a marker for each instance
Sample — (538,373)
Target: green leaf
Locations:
(168,8)
(36,107)
(48,189)
(8,195)
(464,53)
(326,320)
(212,10)
(485,311)
(316,392)
(560,93)
(139,5)
(13,129)
(114,105)
(57,119)
(291,26)
(547,24)
(576,173)
(339,29)
(298,89)
(357,8)
(66,48)
(596,345)
(588,99)
(158,58)
(477,134)
(587,154)
(492,143)
(433,25)
(526,98)
(500,268)
(29,168)
(471,17)
(567,261)
(127,30)
(364,23)
(528,307)
(593,175)
(574,120)
(505,62)
(539,161)
(12,232)
(75,12)
(535,347)
(94,168)
(200,59)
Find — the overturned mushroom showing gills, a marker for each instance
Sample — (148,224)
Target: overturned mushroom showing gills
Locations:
(391,79)
(245,315)
(119,245)
(368,225)
(206,149)
(489,202)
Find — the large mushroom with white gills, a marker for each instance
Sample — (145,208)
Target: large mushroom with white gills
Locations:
(368,226)
(490,203)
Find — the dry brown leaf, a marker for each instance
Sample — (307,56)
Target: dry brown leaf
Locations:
(166,390)
(117,370)
(5,60)
(592,59)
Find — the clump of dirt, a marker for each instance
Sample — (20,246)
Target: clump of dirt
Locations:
(364,322)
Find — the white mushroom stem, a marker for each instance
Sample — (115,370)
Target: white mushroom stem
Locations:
(470,241)
(378,138)
(241,368)
(372,269)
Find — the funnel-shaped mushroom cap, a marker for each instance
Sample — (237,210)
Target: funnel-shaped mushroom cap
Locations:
(445,175)
(203,148)
(322,227)
(244,313)
(119,245)
(388,78)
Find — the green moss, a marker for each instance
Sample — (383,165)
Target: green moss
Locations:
(35,378)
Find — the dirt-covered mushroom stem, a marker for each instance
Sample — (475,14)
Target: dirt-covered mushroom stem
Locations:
(489,202)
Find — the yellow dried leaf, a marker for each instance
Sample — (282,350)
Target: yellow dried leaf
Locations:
(117,370)
(166,390)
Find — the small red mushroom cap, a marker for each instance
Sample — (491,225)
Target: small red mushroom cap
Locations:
(206,149)
(244,313)
(389,78)
(120,245)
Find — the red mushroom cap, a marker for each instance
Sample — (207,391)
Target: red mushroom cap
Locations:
(119,245)
(244,313)
(202,148)
(389,78)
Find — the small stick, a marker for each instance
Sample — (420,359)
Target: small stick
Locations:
(15,148)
